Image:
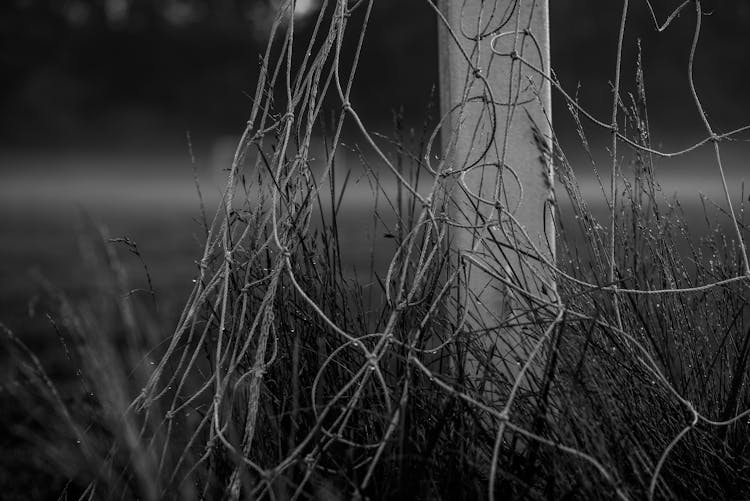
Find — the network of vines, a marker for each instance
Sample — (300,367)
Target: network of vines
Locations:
(278,384)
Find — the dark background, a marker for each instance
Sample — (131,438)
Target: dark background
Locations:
(125,75)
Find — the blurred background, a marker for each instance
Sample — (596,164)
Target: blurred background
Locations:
(109,107)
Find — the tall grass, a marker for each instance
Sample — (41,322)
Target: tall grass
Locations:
(286,377)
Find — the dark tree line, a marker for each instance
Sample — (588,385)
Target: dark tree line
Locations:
(104,68)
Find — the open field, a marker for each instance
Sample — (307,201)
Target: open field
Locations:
(46,212)
(47,201)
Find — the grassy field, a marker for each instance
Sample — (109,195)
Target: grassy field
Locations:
(610,406)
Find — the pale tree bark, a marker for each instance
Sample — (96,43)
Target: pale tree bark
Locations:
(497,131)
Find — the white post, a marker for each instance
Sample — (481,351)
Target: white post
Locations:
(498,112)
